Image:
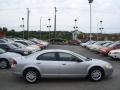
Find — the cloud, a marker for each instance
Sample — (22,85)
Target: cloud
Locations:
(13,10)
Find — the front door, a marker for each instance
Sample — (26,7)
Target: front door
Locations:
(71,66)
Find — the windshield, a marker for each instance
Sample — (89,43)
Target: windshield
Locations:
(12,46)
(112,45)
(2,51)
(82,57)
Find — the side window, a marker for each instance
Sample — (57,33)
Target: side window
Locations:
(67,57)
(47,56)
(118,46)
(3,46)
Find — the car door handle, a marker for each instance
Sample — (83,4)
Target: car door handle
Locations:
(64,64)
(38,63)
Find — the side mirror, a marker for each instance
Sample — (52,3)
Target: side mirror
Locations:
(76,59)
(7,49)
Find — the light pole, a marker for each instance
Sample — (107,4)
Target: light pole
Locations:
(55,23)
(49,26)
(40,27)
(75,27)
(90,2)
(22,26)
(101,28)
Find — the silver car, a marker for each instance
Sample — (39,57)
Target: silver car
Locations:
(57,63)
(6,58)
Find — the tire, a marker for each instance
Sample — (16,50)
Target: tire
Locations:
(4,64)
(96,74)
(31,75)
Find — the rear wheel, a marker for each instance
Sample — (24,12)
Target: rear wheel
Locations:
(4,64)
(31,75)
(96,74)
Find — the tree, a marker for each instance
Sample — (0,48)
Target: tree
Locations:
(0,29)
(4,29)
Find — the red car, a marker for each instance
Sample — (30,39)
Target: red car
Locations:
(74,42)
(106,50)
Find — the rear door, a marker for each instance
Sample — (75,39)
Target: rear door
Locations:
(48,64)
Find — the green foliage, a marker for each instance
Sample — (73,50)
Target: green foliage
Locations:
(36,34)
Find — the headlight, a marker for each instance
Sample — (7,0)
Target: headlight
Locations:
(116,53)
(108,66)
(25,52)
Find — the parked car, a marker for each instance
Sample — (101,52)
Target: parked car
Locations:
(114,54)
(6,58)
(28,43)
(57,63)
(42,46)
(25,47)
(106,50)
(98,44)
(87,43)
(102,45)
(12,48)
(74,42)
(3,41)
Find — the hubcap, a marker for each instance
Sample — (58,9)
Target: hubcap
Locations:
(3,64)
(31,76)
(96,75)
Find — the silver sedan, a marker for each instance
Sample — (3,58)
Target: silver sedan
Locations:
(56,63)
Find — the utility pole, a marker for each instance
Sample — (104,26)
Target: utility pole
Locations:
(40,27)
(55,23)
(28,12)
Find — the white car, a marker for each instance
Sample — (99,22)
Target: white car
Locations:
(6,58)
(98,45)
(27,48)
(28,43)
(114,54)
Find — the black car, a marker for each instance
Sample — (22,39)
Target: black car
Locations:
(11,48)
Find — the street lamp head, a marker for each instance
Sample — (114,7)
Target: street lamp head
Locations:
(75,20)
(101,21)
(90,1)
(22,18)
(49,19)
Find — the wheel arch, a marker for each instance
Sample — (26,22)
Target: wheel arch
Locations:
(31,67)
(6,60)
(92,67)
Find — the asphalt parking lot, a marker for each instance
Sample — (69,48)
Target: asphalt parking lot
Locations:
(9,82)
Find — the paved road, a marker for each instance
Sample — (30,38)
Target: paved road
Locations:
(8,82)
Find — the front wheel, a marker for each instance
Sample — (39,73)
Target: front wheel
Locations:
(96,74)
(31,75)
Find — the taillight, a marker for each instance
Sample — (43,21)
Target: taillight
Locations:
(13,63)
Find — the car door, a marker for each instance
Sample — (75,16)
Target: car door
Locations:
(71,66)
(48,64)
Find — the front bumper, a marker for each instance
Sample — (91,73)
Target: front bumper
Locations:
(108,72)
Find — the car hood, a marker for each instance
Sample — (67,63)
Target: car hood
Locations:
(12,54)
(118,50)
(98,62)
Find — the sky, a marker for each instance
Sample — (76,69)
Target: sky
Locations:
(108,11)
